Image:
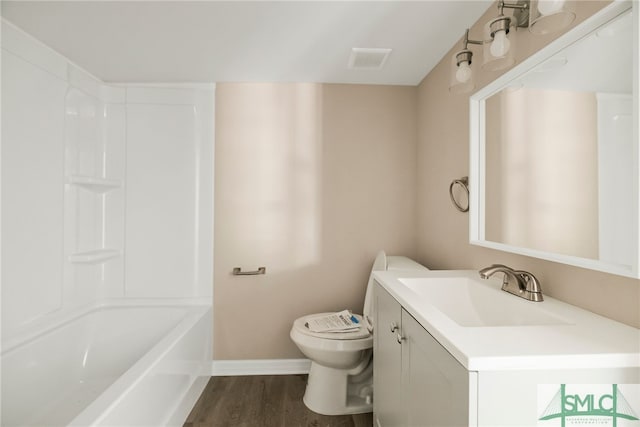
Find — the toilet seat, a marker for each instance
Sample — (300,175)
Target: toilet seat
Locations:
(300,326)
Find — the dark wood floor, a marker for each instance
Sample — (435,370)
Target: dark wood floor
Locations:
(263,401)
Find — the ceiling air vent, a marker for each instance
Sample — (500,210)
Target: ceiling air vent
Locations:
(368,58)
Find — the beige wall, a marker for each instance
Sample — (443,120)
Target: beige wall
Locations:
(443,232)
(311,181)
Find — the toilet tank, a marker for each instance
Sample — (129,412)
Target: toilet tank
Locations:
(391,263)
(403,263)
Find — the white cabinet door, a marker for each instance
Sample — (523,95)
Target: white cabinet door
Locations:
(435,387)
(387,361)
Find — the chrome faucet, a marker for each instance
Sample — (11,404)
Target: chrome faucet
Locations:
(516,282)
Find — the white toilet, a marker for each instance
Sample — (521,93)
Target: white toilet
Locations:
(341,376)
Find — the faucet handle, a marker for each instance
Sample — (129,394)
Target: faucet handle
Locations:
(532,285)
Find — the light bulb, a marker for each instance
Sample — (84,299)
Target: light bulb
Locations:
(463,73)
(548,7)
(500,44)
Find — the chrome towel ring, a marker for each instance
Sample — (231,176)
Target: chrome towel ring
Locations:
(464,183)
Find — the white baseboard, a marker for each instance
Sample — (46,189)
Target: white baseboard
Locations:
(220,368)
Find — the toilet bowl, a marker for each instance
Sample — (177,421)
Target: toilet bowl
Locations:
(340,379)
(341,370)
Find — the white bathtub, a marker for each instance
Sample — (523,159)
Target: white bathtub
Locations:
(134,364)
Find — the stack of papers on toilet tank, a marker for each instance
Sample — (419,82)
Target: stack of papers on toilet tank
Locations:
(337,322)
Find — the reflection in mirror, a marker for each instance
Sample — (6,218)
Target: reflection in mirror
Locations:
(559,155)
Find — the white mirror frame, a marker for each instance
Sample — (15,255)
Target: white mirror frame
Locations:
(477,144)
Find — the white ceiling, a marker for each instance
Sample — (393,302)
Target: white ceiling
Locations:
(218,41)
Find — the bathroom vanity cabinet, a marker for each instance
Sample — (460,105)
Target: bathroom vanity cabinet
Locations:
(387,361)
(432,370)
(416,381)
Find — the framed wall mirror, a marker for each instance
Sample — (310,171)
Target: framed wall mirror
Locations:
(554,150)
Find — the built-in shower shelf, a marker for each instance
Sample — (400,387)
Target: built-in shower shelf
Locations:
(96,185)
(94,257)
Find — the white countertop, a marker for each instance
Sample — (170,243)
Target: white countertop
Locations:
(586,340)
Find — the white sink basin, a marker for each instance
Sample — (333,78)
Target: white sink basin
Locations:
(478,303)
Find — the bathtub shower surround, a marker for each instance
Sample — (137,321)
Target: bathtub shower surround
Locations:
(113,365)
(106,202)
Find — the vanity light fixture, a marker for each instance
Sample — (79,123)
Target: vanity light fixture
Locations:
(462,78)
(549,16)
(540,16)
(497,48)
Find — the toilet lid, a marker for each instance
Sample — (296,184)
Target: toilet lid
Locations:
(361,332)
